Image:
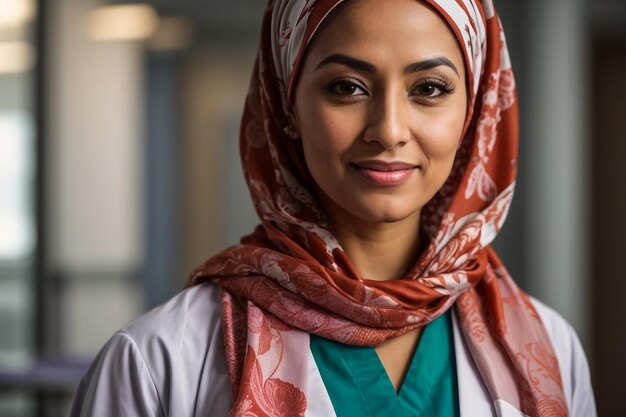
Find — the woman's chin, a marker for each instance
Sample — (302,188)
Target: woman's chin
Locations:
(369,208)
(386,214)
(390,217)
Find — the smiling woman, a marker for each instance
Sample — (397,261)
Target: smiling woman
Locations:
(379,143)
(383,122)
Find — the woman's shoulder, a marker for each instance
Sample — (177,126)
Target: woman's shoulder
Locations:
(192,315)
(162,361)
(572,360)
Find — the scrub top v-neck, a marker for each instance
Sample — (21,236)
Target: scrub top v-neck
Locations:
(358,384)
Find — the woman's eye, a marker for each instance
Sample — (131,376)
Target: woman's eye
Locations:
(346,88)
(428,90)
(432,89)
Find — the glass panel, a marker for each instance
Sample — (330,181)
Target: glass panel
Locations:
(17,189)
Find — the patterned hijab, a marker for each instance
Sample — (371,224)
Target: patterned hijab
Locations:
(291,274)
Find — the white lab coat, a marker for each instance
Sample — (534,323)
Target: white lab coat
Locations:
(171,362)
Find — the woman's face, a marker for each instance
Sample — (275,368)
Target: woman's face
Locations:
(380,105)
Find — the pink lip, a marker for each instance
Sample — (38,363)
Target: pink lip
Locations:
(385,173)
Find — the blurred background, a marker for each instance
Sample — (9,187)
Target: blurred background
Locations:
(119,172)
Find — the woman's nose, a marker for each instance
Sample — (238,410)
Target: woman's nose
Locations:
(389,123)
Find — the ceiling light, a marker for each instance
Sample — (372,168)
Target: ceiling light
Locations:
(16,57)
(122,22)
(16,13)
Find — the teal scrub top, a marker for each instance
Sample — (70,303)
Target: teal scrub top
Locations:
(358,384)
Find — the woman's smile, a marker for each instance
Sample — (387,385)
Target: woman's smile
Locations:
(384,173)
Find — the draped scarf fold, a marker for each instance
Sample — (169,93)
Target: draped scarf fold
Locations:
(292,274)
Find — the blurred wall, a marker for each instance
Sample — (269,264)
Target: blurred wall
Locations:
(558,164)
(94,180)
(608,197)
(218,208)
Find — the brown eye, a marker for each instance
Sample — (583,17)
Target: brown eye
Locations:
(346,88)
(428,90)
(432,89)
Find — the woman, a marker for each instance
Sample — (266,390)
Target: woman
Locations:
(379,142)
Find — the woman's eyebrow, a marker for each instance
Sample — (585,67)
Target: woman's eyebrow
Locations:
(348,61)
(431,63)
(364,66)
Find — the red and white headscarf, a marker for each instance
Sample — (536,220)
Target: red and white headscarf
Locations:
(292,274)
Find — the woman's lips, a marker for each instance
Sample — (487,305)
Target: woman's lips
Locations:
(385,173)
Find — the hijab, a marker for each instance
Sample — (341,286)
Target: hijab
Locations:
(291,278)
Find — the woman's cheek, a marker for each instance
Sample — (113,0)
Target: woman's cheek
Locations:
(336,131)
(441,139)
(438,147)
